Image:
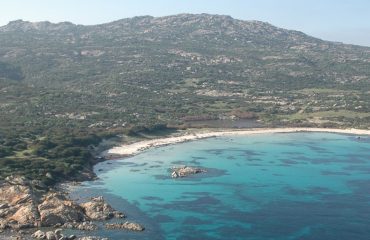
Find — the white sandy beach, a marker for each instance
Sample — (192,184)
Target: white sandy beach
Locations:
(134,148)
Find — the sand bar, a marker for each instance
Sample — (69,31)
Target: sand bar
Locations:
(134,148)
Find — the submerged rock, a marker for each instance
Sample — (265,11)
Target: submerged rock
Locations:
(92,238)
(126,226)
(184,171)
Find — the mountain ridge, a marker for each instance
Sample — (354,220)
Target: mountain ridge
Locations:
(44,25)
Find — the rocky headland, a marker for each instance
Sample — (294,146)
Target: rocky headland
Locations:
(27,207)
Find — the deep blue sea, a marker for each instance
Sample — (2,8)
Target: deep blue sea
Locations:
(267,186)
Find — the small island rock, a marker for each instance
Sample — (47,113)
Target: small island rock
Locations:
(184,171)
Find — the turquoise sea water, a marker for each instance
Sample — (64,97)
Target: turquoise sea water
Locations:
(267,186)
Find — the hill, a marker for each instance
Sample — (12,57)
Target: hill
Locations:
(64,87)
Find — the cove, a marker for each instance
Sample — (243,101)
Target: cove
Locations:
(265,186)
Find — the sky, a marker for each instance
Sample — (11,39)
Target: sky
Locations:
(345,21)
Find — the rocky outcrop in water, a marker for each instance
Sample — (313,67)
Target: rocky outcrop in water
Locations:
(125,226)
(98,209)
(184,171)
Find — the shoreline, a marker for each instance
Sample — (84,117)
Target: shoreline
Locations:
(134,148)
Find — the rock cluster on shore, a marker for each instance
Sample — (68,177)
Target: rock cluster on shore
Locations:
(57,235)
(98,209)
(84,226)
(52,235)
(27,204)
(57,209)
(184,171)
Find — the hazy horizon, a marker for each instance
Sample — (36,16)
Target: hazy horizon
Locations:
(338,21)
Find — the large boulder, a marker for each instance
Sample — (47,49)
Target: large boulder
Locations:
(50,235)
(7,210)
(56,209)
(98,209)
(58,234)
(27,214)
(15,194)
(3,224)
(4,206)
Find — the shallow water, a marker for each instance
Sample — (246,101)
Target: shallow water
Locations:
(267,186)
